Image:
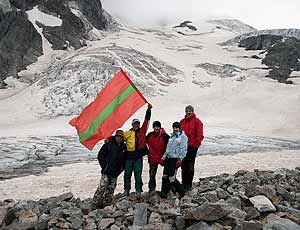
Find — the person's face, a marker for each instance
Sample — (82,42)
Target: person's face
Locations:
(188,113)
(175,129)
(119,139)
(136,125)
(156,129)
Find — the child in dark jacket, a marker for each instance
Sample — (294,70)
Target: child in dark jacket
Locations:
(157,141)
(111,158)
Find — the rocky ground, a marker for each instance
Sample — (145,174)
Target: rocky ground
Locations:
(245,200)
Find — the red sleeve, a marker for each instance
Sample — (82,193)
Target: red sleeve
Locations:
(199,132)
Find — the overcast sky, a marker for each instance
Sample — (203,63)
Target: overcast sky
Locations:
(261,14)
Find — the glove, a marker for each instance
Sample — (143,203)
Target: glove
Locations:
(178,164)
(162,162)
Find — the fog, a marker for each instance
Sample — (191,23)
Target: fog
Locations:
(263,14)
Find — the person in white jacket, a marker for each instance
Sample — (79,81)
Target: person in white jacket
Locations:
(172,158)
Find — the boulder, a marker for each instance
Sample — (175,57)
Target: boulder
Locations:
(281,224)
(140,215)
(262,204)
(207,212)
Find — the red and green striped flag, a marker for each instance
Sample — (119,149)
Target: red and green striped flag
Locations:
(115,103)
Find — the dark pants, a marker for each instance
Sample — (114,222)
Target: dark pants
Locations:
(169,180)
(136,166)
(188,167)
(152,175)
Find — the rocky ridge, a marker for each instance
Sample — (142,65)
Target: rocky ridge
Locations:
(282,54)
(81,20)
(245,200)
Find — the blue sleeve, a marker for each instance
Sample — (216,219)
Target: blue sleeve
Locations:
(183,147)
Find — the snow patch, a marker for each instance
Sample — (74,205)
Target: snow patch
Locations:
(35,15)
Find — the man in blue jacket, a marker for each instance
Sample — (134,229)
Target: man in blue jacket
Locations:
(111,158)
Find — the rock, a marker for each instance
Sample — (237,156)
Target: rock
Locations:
(106,222)
(76,222)
(249,225)
(115,227)
(262,203)
(63,197)
(117,214)
(28,218)
(290,212)
(238,214)
(140,215)
(180,223)
(259,42)
(212,196)
(3,213)
(200,226)
(282,224)
(155,218)
(43,221)
(156,226)
(154,199)
(235,202)
(284,193)
(222,194)
(252,213)
(17,52)
(124,205)
(270,218)
(207,212)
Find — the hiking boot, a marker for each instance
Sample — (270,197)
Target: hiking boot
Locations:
(138,195)
(151,192)
(126,193)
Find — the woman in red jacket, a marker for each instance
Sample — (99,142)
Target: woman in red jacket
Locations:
(193,128)
(157,141)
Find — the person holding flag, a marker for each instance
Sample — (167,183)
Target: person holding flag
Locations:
(112,107)
(135,140)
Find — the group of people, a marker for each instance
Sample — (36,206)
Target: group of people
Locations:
(125,150)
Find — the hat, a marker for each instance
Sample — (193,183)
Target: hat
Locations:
(156,124)
(176,125)
(189,108)
(119,133)
(135,120)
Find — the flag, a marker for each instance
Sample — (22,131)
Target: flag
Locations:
(115,103)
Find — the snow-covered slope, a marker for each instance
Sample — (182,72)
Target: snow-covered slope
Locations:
(242,111)
(227,88)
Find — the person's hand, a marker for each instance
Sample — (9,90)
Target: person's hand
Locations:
(149,106)
(178,164)
(162,162)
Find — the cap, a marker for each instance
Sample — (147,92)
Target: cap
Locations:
(135,120)
(189,108)
(176,125)
(119,133)
(156,124)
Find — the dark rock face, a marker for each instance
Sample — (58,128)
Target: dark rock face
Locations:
(17,52)
(282,54)
(186,24)
(260,42)
(20,44)
(93,12)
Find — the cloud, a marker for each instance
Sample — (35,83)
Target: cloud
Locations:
(261,14)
